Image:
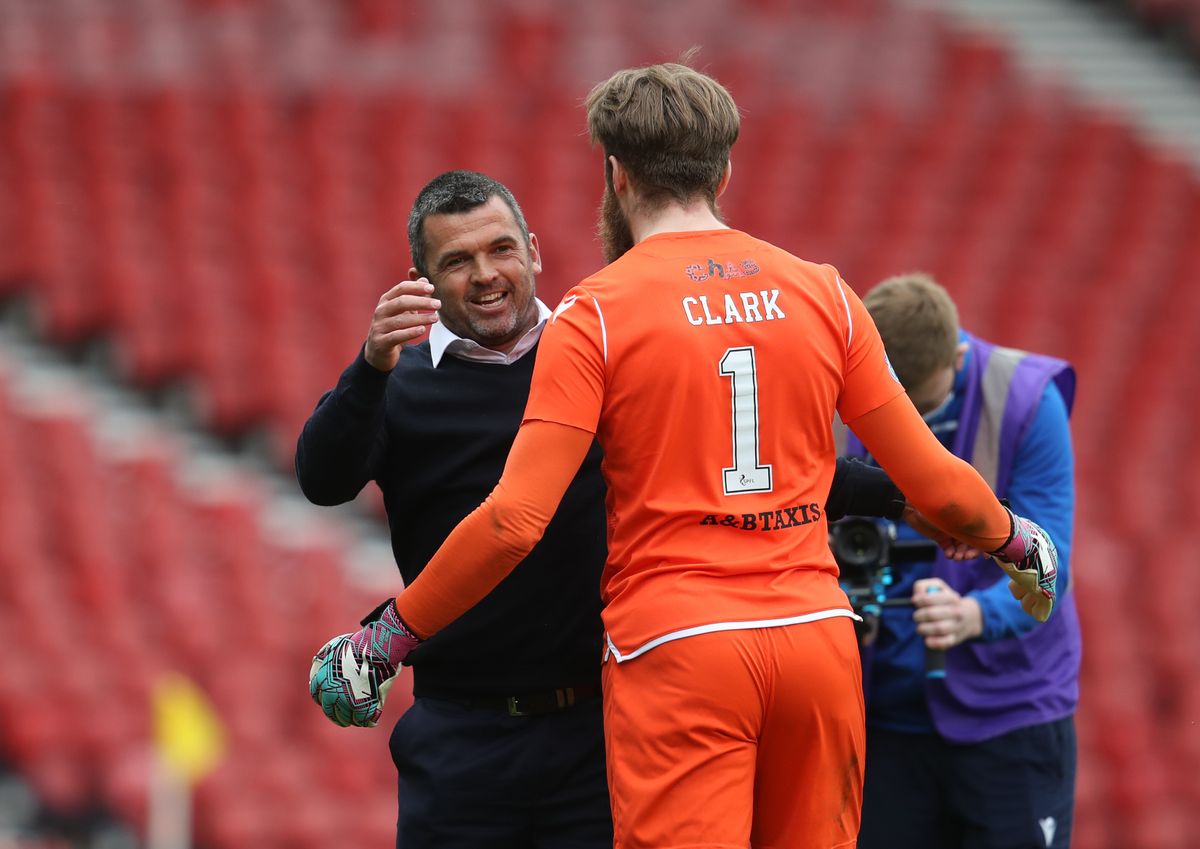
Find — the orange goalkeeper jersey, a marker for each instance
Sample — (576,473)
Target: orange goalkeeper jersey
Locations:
(710,365)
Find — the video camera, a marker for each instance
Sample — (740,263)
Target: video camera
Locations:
(867,552)
(867,549)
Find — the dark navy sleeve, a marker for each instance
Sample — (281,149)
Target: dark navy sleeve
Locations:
(1042,489)
(344,440)
(862,490)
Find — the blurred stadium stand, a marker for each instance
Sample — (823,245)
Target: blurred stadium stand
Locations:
(214,192)
(1175,20)
(131,552)
(26,823)
(1107,58)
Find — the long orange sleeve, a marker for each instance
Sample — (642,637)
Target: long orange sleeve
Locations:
(945,488)
(489,543)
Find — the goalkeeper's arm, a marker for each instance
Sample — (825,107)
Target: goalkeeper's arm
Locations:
(953,496)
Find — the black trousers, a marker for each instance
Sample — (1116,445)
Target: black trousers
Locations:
(1015,791)
(480,779)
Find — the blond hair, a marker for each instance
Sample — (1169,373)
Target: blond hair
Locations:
(670,126)
(919,325)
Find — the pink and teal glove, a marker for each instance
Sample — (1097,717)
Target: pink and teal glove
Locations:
(352,673)
(1031,561)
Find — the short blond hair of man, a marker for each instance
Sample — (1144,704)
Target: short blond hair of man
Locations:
(918,321)
(670,126)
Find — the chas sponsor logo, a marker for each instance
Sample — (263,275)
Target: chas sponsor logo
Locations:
(721,271)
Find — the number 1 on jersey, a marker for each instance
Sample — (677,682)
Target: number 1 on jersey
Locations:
(747,474)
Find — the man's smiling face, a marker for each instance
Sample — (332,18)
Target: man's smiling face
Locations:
(483,272)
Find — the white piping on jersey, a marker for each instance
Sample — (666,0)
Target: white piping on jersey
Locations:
(716,627)
(603,329)
(849,319)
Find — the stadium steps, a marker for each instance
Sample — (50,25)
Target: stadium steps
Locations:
(1108,61)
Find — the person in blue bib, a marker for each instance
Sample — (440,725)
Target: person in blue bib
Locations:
(984,755)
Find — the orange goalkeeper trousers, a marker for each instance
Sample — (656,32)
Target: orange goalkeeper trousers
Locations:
(738,738)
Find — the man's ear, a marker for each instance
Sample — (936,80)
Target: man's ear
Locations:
(620,177)
(960,356)
(725,177)
(413,274)
(535,253)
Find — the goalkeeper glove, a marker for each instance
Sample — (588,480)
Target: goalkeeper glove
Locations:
(1031,561)
(352,673)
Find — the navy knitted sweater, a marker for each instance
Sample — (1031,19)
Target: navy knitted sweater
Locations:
(435,440)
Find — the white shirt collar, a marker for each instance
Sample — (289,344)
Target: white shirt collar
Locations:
(442,340)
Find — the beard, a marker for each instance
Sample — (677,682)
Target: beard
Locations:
(616,237)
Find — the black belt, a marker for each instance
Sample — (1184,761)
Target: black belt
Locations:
(530,704)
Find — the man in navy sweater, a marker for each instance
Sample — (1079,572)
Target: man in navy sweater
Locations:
(503,745)
(984,756)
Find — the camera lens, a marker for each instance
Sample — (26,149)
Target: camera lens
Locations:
(857,543)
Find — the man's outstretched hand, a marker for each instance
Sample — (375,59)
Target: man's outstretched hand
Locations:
(352,673)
